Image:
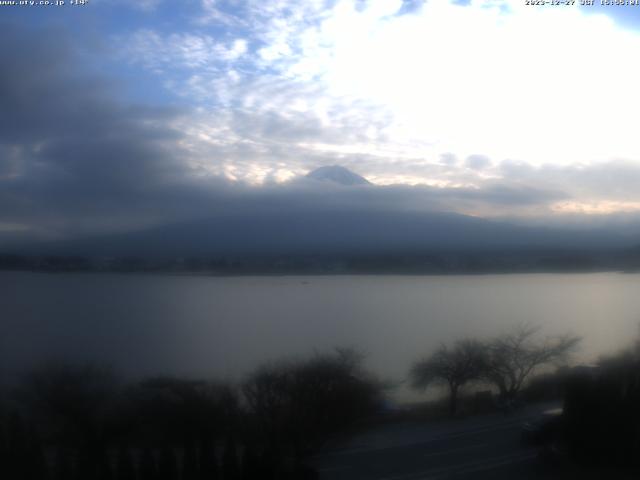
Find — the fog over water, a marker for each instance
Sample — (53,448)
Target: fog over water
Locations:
(223,327)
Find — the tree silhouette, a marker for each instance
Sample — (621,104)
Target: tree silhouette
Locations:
(167,465)
(269,463)
(454,366)
(18,447)
(511,358)
(147,466)
(230,468)
(104,469)
(4,444)
(302,403)
(190,462)
(70,399)
(93,462)
(63,465)
(208,460)
(125,468)
(174,410)
(250,464)
(35,465)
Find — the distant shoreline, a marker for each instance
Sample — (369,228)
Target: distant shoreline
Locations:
(429,263)
(323,274)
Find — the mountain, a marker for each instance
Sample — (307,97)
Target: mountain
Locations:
(315,221)
(337,174)
(323,232)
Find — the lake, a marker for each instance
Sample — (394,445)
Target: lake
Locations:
(223,327)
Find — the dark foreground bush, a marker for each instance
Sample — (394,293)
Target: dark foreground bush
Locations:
(602,413)
(300,404)
(80,423)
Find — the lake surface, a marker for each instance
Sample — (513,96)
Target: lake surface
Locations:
(224,326)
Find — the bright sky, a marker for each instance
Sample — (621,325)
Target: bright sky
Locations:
(474,95)
(395,82)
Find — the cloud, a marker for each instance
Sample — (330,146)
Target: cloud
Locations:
(271,90)
(145,6)
(75,159)
(603,187)
(448,158)
(72,153)
(78,160)
(177,51)
(477,162)
(399,81)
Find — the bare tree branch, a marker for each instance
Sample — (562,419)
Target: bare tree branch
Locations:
(514,356)
(455,366)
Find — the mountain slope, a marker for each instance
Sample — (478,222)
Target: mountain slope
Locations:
(329,232)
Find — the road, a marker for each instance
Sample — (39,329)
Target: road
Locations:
(482,447)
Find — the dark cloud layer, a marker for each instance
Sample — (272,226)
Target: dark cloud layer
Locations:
(72,153)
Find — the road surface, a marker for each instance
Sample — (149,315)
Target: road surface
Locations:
(486,447)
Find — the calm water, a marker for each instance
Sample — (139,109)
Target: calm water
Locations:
(223,327)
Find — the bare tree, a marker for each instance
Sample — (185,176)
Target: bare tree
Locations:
(454,366)
(303,402)
(71,401)
(511,358)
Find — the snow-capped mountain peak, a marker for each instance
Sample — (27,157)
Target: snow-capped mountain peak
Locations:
(337,174)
